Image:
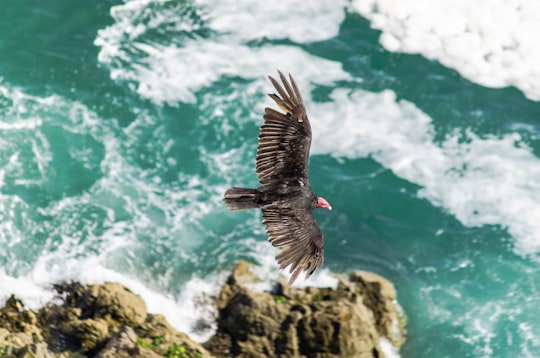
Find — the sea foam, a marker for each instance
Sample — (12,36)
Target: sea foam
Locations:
(252,20)
(172,73)
(489,180)
(489,42)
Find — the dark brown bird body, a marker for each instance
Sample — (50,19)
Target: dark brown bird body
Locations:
(285,197)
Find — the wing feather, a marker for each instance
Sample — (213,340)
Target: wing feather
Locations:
(300,238)
(284,138)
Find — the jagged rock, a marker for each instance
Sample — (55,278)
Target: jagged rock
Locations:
(124,345)
(38,350)
(379,295)
(110,321)
(18,326)
(347,321)
(92,333)
(96,320)
(109,301)
(156,326)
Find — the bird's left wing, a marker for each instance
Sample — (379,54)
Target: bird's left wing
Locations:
(297,232)
(285,138)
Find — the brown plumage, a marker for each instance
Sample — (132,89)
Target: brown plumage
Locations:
(285,197)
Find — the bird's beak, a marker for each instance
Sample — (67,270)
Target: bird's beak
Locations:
(322,203)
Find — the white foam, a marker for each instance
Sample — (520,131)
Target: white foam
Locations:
(483,320)
(388,349)
(15,117)
(531,341)
(491,42)
(257,19)
(33,295)
(163,80)
(489,180)
(171,73)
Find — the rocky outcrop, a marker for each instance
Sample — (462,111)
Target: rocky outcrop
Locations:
(105,321)
(108,321)
(347,321)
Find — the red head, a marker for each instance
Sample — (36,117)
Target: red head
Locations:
(321,203)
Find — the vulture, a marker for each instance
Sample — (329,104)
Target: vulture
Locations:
(285,196)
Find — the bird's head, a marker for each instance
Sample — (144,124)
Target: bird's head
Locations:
(322,203)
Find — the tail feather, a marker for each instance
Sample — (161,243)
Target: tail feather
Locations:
(241,198)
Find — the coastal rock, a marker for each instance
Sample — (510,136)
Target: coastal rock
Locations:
(347,321)
(379,295)
(111,321)
(18,331)
(92,321)
(110,301)
(92,333)
(124,345)
(157,326)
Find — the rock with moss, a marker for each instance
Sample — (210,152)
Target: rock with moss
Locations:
(126,344)
(19,334)
(92,321)
(346,321)
(109,301)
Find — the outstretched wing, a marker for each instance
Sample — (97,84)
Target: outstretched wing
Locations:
(297,232)
(285,138)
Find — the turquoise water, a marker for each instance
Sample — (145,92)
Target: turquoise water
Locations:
(122,124)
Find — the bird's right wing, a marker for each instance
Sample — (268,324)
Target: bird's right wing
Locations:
(297,232)
(285,138)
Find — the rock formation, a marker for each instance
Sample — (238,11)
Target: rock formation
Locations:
(108,321)
(347,321)
(105,321)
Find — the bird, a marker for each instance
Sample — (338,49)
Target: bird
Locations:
(285,195)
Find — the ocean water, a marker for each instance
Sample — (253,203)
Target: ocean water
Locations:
(123,123)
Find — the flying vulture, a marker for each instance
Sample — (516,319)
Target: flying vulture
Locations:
(285,196)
